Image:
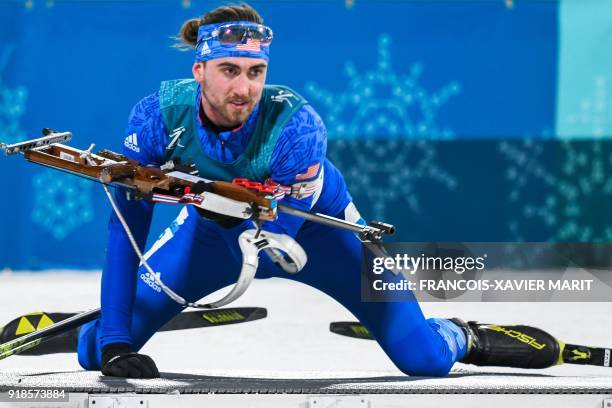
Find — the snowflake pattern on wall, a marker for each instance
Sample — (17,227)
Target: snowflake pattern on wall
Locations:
(12,104)
(594,118)
(382,103)
(62,202)
(385,171)
(368,126)
(575,189)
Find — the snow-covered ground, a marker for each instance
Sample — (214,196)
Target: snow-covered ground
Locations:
(294,339)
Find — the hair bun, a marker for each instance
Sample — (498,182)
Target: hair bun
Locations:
(189,32)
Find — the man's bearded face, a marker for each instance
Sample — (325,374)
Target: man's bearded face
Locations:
(231,88)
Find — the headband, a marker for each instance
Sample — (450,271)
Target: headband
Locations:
(233,39)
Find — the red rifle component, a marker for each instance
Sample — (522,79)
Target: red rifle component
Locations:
(269,187)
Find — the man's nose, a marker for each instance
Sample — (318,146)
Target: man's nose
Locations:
(242,85)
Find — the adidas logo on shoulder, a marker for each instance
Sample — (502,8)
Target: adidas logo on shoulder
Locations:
(131,142)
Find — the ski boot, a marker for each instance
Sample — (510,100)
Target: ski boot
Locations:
(510,346)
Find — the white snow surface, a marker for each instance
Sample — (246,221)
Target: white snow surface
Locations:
(294,340)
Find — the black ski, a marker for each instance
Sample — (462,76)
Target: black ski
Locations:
(57,332)
(571,354)
(215,317)
(34,339)
(585,355)
(350,329)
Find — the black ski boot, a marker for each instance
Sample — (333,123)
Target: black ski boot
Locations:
(509,346)
(62,343)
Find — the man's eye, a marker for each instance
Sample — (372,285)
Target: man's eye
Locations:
(256,72)
(229,71)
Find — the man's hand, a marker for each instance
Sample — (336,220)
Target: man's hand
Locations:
(118,360)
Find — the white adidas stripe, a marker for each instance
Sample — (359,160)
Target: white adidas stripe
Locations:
(133,138)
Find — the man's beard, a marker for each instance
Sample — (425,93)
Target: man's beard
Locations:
(232,117)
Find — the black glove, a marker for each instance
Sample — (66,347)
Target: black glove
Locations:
(118,360)
(224,220)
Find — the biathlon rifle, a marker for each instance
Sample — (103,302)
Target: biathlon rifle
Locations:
(173,183)
(177,183)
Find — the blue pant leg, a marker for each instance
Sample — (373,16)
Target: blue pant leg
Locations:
(415,345)
(192,259)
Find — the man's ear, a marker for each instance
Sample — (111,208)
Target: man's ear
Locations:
(198,71)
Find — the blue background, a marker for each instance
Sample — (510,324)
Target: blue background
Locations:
(454,120)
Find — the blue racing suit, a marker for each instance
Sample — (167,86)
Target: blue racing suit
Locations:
(196,256)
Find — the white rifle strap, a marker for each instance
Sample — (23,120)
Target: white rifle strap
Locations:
(285,252)
(251,242)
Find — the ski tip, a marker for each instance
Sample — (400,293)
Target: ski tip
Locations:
(350,329)
(585,355)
